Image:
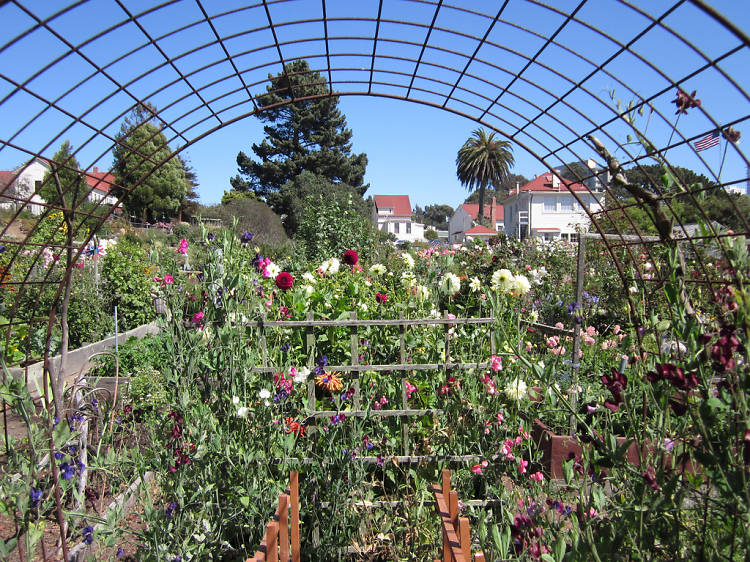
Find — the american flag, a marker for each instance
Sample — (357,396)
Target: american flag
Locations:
(711,139)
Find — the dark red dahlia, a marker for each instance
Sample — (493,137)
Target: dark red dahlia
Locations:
(284,281)
(351,257)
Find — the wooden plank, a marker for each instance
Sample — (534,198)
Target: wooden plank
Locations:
(272,535)
(577,327)
(284,528)
(454,552)
(464,535)
(393,367)
(446,482)
(405,322)
(354,337)
(374,413)
(294,501)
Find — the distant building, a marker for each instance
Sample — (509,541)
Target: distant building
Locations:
(735,189)
(546,208)
(464,225)
(25,182)
(392,213)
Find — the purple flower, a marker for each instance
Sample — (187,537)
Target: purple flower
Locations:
(36,497)
(88,534)
(120,552)
(67,471)
(246,237)
(381,460)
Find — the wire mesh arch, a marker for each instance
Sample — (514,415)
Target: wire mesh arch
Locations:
(206,67)
(545,75)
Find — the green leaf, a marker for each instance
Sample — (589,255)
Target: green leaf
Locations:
(245,501)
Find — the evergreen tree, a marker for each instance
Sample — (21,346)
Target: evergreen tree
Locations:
(304,135)
(189,204)
(153,192)
(72,184)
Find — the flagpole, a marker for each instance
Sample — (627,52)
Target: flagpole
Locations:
(721,166)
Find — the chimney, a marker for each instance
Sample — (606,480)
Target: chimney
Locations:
(555,182)
(96,169)
(492,212)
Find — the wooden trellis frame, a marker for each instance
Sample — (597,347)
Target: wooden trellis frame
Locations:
(455,530)
(283,526)
(353,323)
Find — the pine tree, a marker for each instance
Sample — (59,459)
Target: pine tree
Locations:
(189,204)
(73,187)
(153,192)
(304,135)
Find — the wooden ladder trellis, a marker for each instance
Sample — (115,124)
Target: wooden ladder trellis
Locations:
(283,526)
(455,529)
(354,367)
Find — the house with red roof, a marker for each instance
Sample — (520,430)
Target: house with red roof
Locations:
(20,187)
(392,213)
(551,208)
(464,225)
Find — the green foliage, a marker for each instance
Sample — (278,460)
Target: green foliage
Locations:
(73,188)
(513,181)
(434,215)
(307,185)
(146,389)
(232,195)
(90,316)
(302,135)
(135,355)
(153,192)
(127,279)
(330,227)
(483,161)
(431,234)
(252,215)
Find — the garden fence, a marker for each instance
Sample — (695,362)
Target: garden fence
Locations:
(455,529)
(283,526)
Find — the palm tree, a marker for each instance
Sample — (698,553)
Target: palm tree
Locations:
(483,161)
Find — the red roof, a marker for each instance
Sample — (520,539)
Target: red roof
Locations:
(480,229)
(399,203)
(99,180)
(473,210)
(544,183)
(6,178)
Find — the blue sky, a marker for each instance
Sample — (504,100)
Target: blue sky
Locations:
(411,147)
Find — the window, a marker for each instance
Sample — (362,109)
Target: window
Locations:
(408,228)
(566,205)
(395,228)
(550,205)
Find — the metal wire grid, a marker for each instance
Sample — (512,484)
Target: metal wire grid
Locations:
(205,68)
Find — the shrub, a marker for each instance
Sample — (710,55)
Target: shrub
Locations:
(128,281)
(252,215)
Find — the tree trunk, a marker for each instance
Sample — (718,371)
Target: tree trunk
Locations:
(480,214)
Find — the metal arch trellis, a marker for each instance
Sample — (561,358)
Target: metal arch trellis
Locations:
(456,69)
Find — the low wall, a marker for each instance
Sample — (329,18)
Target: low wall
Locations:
(78,359)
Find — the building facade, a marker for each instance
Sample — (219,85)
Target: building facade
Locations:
(392,213)
(464,225)
(550,208)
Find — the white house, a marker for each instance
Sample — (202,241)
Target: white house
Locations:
(24,183)
(100,182)
(547,208)
(463,224)
(392,213)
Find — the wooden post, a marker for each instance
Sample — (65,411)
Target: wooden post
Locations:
(294,501)
(464,535)
(355,360)
(284,527)
(272,535)
(575,360)
(446,489)
(404,397)
(262,339)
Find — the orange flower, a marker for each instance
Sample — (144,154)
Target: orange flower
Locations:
(293,426)
(330,381)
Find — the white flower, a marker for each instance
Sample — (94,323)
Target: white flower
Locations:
(331,265)
(377,269)
(434,313)
(408,260)
(363,306)
(534,316)
(521,285)
(302,374)
(502,280)
(264,394)
(309,277)
(475,284)
(408,280)
(273,269)
(242,412)
(451,284)
(516,390)
(633,290)
(235,400)
(423,292)
(538,274)
(308,289)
